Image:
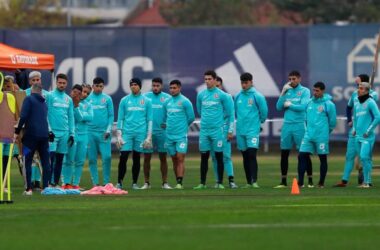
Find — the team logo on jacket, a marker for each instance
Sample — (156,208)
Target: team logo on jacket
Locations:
(103,100)
(216,96)
(320,109)
(179,103)
(66,99)
(162,99)
(364,105)
(299,93)
(142,101)
(250,101)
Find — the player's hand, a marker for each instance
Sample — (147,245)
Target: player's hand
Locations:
(163,125)
(15,137)
(51,136)
(106,135)
(230,136)
(286,87)
(365,135)
(349,124)
(287,104)
(70,141)
(119,139)
(148,143)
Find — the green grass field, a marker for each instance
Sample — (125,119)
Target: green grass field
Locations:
(265,218)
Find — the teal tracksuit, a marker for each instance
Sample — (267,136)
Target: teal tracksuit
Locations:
(251,111)
(351,148)
(135,121)
(293,128)
(179,115)
(228,127)
(320,122)
(365,119)
(75,158)
(61,120)
(102,123)
(158,135)
(212,105)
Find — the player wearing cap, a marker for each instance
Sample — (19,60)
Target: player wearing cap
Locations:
(134,130)
(99,131)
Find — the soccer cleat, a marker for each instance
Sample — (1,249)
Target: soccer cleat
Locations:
(166,186)
(219,186)
(233,185)
(77,187)
(67,186)
(135,186)
(340,184)
(255,185)
(178,186)
(146,186)
(200,186)
(119,186)
(321,186)
(311,185)
(247,186)
(364,185)
(28,192)
(281,185)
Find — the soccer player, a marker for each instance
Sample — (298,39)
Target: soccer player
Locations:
(61,125)
(320,122)
(158,98)
(212,106)
(293,100)
(99,131)
(365,119)
(74,160)
(179,116)
(36,134)
(35,77)
(251,111)
(228,124)
(134,130)
(351,153)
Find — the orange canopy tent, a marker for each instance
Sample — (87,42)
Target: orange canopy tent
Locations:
(12,59)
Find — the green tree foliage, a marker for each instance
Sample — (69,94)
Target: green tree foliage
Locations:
(22,14)
(330,11)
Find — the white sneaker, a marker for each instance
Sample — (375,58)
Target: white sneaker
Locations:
(28,192)
(146,186)
(119,186)
(166,186)
(233,185)
(135,186)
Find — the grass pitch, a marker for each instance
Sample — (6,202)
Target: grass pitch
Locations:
(265,218)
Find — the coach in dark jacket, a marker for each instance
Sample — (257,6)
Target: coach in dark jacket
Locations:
(36,134)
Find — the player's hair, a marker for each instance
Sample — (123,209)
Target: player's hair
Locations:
(98,80)
(246,77)
(364,77)
(157,79)
(86,85)
(9,78)
(176,82)
(295,73)
(61,76)
(219,79)
(210,73)
(319,85)
(78,87)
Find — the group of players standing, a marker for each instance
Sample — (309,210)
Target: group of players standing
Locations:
(80,125)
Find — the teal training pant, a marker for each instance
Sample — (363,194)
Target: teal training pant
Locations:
(350,157)
(364,149)
(74,161)
(98,145)
(228,166)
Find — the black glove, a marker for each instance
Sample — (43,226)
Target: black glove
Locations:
(51,136)
(71,141)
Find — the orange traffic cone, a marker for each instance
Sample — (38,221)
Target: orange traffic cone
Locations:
(295,188)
